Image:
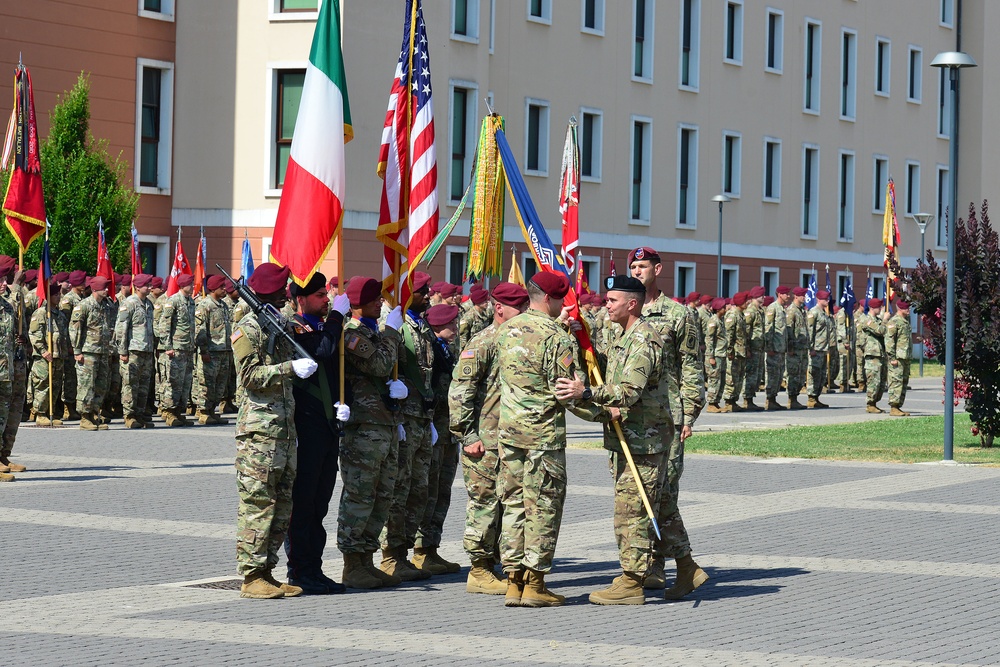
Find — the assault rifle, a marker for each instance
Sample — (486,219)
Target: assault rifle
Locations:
(268,316)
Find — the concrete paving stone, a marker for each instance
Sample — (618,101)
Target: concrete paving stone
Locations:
(982,492)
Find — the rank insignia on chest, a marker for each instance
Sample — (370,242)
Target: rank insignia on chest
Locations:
(469,354)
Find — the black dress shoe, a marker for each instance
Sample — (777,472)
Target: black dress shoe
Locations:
(332,585)
(311,584)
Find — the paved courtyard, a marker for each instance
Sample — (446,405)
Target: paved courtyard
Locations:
(108,536)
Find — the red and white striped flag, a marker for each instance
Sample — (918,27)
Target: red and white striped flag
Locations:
(569,197)
(408,216)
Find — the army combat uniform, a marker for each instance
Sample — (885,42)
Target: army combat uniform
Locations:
(67,304)
(845,350)
(715,357)
(875,358)
(90,335)
(735,333)
(38,335)
(899,350)
(176,334)
(821,336)
(213,330)
(19,376)
(754,319)
(775,346)
(134,336)
(797,357)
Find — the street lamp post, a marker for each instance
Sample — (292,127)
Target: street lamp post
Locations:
(722,199)
(921,219)
(953,61)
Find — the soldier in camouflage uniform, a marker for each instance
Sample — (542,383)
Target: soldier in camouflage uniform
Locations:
(754,317)
(715,355)
(775,345)
(534,352)
(635,394)
(38,335)
(875,357)
(845,351)
(736,351)
(231,302)
(90,335)
(15,294)
(821,330)
(68,303)
(477,317)
(156,298)
(860,341)
(213,329)
(369,450)
(899,350)
(135,344)
(112,401)
(176,334)
(797,357)
(474,404)
(30,290)
(8,341)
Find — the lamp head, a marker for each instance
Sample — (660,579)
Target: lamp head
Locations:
(953,60)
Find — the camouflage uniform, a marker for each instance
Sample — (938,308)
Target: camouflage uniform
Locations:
(19,376)
(875,375)
(534,351)
(176,332)
(798,346)
(113,396)
(821,330)
(90,334)
(473,320)
(845,352)
(715,350)
(265,446)
(134,336)
(736,353)
(860,341)
(67,304)
(899,349)
(213,329)
(754,318)
(369,447)
(8,341)
(231,306)
(61,356)
(775,345)
(704,315)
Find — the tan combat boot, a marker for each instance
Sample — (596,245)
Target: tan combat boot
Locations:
(394,562)
(483,580)
(422,560)
(289,590)
(86,423)
(728,407)
(515,589)
(356,575)
(11,466)
(689,577)
(388,580)
(171,419)
(626,589)
(6,477)
(432,554)
(896,412)
(42,420)
(257,587)
(132,422)
(712,407)
(654,576)
(874,409)
(535,593)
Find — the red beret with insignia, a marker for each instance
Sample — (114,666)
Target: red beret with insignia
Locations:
(645,252)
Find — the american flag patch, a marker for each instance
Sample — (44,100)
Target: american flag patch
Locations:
(236,335)
(469,354)
(353,342)
(567,360)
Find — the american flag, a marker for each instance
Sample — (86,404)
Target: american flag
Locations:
(408,216)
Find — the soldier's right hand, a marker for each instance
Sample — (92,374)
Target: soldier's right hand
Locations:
(46,355)
(397,389)
(304,367)
(394,320)
(401,432)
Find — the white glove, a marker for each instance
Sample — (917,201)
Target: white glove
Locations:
(434,435)
(401,432)
(343,412)
(394,320)
(304,367)
(397,389)
(342,304)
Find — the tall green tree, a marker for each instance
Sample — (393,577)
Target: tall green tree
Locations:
(83,183)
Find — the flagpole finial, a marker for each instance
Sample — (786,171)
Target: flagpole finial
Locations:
(489,107)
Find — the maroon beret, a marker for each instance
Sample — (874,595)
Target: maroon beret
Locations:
(30,274)
(705,299)
(156,282)
(448,290)
(117,277)
(768,300)
(269,278)
(783,289)
(334,282)
(510,294)
(756,292)
(692,298)
(822,295)
(185,279)
(7,264)
(77,278)
(214,282)
(125,280)
(875,303)
(902,305)
(739,298)
(554,284)
(478,295)
(97,283)
(644,252)
(141,280)
(420,280)
(436,287)
(718,303)
(230,287)
(361,290)
(441,314)
(60,277)
(799,291)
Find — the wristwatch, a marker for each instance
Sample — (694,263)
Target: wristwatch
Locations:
(587,394)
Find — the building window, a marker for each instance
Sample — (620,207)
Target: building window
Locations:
(591,138)
(642,57)
(814,37)
(734,32)
(775,41)
(457,261)
(528,265)
(732,154)
(883,55)
(147,258)
(642,147)
(772,170)
(162,10)
(690,43)
(730,281)
(539,11)
(878,286)
(842,278)
(769,280)
(914,89)
(463,138)
(880,178)
(684,278)
(687,176)
(592,16)
(845,228)
(289,93)
(297,6)
(154,125)
(943,203)
(912,188)
(944,109)
(810,190)
(536,159)
(947,13)
(848,74)
(465,19)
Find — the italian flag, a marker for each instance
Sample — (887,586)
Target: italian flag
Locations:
(312,199)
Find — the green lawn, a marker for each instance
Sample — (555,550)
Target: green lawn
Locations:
(905,440)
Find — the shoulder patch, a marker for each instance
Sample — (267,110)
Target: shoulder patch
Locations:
(469,354)
(236,335)
(567,359)
(242,347)
(359,345)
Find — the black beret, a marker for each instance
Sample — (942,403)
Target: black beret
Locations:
(623,284)
(317,281)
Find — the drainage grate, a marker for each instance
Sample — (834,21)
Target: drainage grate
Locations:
(223,585)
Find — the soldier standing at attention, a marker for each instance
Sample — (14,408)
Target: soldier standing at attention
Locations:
(14,292)
(474,406)
(715,354)
(134,336)
(38,335)
(736,351)
(820,328)
(775,345)
(319,414)
(844,352)
(213,329)
(8,341)
(636,394)
(176,333)
(112,401)
(369,453)
(534,352)
(899,350)
(798,347)
(91,339)
(75,281)
(875,330)
(860,341)
(754,317)
(477,317)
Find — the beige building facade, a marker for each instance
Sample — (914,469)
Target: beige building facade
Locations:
(798,111)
